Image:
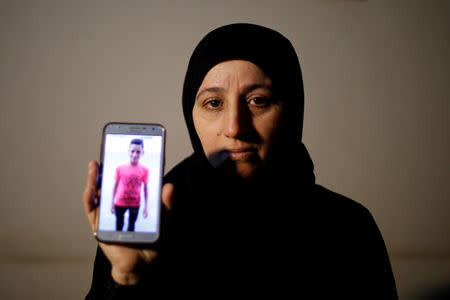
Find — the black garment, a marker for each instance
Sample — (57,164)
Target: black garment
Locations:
(278,235)
(273,238)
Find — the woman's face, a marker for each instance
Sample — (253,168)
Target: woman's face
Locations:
(236,109)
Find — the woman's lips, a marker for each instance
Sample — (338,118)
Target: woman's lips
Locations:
(241,153)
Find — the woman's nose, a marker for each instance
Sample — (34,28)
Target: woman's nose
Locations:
(237,121)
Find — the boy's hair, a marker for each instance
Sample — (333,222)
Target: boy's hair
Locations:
(138,142)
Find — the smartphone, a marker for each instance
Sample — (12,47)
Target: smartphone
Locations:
(130,181)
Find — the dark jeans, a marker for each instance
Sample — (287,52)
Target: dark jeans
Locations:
(133,213)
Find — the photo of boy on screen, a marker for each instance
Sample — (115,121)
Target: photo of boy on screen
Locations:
(129,179)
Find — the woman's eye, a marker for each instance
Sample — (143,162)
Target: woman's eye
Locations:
(214,103)
(259,101)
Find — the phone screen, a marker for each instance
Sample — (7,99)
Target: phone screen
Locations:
(131,178)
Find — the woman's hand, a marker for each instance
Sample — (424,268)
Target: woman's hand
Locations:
(126,261)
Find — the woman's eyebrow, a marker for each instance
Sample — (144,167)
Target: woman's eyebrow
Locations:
(256,86)
(212,89)
(246,89)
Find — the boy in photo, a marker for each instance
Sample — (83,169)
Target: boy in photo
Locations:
(127,189)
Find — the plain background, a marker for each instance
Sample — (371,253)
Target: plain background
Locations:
(376,77)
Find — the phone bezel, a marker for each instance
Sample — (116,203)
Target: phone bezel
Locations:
(143,129)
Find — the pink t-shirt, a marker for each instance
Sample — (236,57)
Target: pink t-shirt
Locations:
(130,181)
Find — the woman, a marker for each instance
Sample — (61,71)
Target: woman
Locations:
(243,213)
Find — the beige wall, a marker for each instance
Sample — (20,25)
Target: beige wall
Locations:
(376,118)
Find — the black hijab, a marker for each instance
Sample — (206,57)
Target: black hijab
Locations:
(275,55)
(264,47)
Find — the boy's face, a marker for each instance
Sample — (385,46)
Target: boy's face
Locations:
(136,151)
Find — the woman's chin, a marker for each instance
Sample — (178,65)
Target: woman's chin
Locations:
(246,170)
